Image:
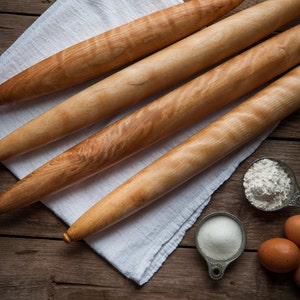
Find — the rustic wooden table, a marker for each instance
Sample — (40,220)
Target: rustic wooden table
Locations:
(36,264)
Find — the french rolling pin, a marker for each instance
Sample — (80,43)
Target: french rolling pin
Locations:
(151,75)
(114,48)
(209,145)
(159,119)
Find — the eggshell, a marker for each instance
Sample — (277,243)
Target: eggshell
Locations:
(279,255)
(297,276)
(292,229)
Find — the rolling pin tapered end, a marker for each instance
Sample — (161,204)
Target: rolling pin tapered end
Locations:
(66,238)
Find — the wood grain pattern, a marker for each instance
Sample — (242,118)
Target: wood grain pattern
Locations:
(25,7)
(151,75)
(214,142)
(172,112)
(62,281)
(11,27)
(189,278)
(112,49)
(37,221)
(30,238)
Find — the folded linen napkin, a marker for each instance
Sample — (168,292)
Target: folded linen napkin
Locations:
(139,245)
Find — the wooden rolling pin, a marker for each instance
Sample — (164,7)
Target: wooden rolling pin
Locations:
(152,74)
(225,135)
(171,112)
(105,52)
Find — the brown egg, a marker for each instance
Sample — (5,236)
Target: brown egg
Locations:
(297,275)
(279,255)
(292,229)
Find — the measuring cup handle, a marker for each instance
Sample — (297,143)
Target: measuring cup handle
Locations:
(216,270)
(296,198)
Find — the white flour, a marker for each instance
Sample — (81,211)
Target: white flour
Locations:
(220,238)
(267,185)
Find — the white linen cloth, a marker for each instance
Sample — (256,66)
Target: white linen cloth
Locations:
(139,245)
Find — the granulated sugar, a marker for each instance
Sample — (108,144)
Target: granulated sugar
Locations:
(267,185)
(220,238)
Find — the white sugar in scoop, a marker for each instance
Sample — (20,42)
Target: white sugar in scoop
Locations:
(220,239)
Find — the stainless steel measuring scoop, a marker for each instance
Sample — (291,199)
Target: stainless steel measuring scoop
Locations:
(218,244)
(292,198)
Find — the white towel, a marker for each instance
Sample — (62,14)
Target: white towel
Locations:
(139,245)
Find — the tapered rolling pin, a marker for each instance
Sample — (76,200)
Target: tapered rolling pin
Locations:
(160,118)
(105,52)
(152,74)
(234,129)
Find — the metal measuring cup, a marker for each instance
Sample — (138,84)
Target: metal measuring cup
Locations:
(217,267)
(292,198)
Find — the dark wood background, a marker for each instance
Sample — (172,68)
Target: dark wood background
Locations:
(36,264)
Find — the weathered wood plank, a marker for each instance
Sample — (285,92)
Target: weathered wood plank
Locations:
(11,27)
(47,267)
(33,221)
(289,128)
(27,7)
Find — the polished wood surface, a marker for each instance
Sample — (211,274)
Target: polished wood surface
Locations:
(36,264)
(114,48)
(140,80)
